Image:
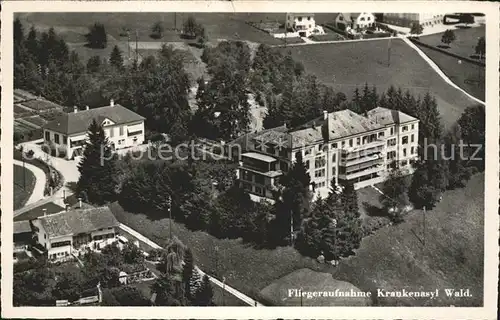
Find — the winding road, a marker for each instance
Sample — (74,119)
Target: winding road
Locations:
(40,180)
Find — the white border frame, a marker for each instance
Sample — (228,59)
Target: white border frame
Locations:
(491,234)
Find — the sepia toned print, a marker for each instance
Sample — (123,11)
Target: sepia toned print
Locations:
(258,159)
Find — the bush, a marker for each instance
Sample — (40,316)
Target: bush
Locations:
(376,35)
(374,224)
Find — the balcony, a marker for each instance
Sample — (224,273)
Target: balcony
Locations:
(364,153)
(258,162)
(361,172)
(373,159)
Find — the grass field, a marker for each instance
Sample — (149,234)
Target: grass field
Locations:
(394,258)
(390,259)
(345,66)
(245,268)
(37,212)
(22,188)
(466,75)
(465,43)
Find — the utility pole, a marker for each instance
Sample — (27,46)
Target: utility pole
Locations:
(389,52)
(291,228)
(170,216)
(128,43)
(216,260)
(136,46)
(424,229)
(301,304)
(223,289)
(175,21)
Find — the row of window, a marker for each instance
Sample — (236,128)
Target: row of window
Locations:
(392,154)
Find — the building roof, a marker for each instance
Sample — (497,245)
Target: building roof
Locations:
(259,156)
(78,122)
(348,123)
(277,137)
(386,116)
(348,16)
(22,227)
(78,221)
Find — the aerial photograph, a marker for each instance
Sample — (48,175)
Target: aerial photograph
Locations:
(249,159)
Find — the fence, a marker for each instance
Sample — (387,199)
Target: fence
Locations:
(478,63)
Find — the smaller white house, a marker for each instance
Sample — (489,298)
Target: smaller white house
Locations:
(123,128)
(65,232)
(302,23)
(354,21)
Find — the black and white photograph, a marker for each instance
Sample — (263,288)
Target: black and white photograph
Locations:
(250,159)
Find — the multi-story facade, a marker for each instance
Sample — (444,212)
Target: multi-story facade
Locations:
(303,23)
(123,128)
(409,19)
(339,146)
(63,233)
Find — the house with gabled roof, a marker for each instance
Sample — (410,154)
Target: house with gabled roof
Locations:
(61,234)
(355,21)
(123,127)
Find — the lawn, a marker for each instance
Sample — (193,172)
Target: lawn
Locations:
(246,269)
(394,258)
(466,75)
(22,188)
(73,26)
(345,66)
(37,212)
(465,43)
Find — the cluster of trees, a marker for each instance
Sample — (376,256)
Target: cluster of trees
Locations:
(223,108)
(191,29)
(157,88)
(38,283)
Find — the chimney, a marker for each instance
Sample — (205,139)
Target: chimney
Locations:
(80,203)
(75,109)
(86,107)
(44,212)
(112,103)
(325,114)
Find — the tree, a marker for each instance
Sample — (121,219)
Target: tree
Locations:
(116,58)
(481,47)
(190,27)
(94,64)
(296,195)
(395,194)
(459,172)
(129,296)
(448,37)
(473,129)
(187,272)
(204,295)
(416,29)
(157,30)
(97,167)
(97,37)
(69,285)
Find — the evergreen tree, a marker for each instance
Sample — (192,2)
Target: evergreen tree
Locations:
(32,42)
(97,168)
(97,37)
(472,123)
(187,272)
(204,295)
(116,58)
(459,172)
(296,194)
(94,64)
